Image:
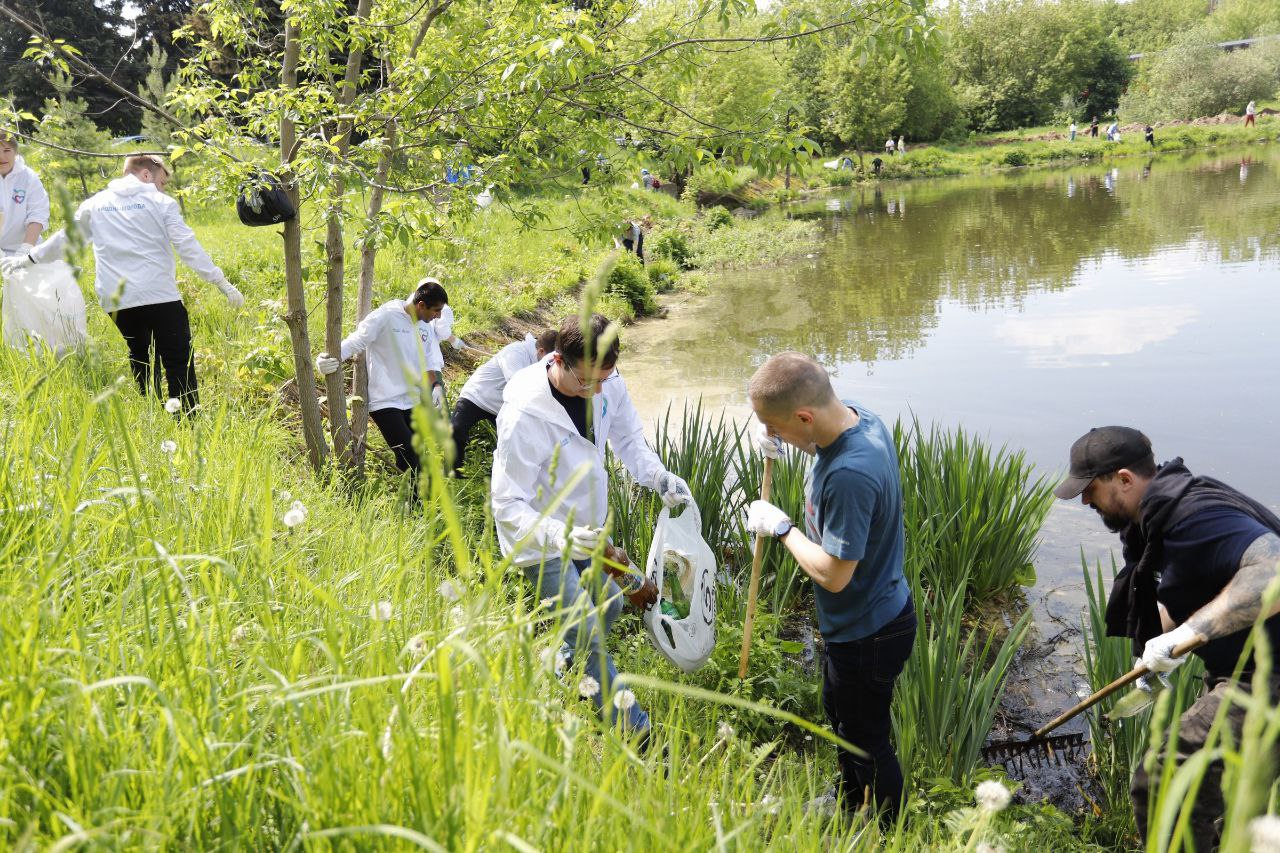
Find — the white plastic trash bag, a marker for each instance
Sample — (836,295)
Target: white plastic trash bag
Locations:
(682,624)
(43,306)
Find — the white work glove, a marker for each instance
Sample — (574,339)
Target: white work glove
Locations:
(437,396)
(582,542)
(673,490)
(769,446)
(765,519)
(326,364)
(11,265)
(234,296)
(26,248)
(1157,654)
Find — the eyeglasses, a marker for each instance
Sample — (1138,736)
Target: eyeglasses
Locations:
(583,384)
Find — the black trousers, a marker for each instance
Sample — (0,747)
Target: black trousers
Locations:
(466,415)
(166,327)
(857,689)
(396,426)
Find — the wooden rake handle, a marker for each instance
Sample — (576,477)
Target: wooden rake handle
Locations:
(757,558)
(1123,681)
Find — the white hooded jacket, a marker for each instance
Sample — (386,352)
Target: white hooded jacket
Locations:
(22,202)
(540,452)
(134,229)
(485,386)
(400,349)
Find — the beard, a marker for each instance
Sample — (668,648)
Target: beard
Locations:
(1114,523)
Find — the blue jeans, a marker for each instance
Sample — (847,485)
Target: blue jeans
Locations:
(585,634)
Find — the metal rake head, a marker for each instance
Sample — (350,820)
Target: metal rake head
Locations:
(1036,752)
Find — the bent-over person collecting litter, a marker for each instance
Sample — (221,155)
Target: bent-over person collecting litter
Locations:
(550,495)
(851,545)
(1198,556)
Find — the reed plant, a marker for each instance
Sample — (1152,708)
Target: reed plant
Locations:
(972,514)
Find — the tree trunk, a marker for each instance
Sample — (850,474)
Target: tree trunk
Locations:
(335,252)
(364,304)
(308,403)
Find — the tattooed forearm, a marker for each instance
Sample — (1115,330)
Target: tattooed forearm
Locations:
(1237,606)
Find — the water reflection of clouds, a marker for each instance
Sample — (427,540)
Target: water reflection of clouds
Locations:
(1089,337)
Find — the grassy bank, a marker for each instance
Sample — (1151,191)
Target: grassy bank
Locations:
(983,154)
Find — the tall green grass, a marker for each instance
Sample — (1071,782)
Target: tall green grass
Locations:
(973,514)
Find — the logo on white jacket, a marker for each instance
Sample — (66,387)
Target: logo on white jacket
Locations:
(19,196)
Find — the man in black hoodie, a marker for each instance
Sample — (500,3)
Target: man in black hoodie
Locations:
(1198,556)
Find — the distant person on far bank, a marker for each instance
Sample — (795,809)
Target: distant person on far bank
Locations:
(902,145)
(889,146)
(1072,131)
(1198,557)
(134,229)
(24,204)
(1251,114)
(1093,128)
(1149,134)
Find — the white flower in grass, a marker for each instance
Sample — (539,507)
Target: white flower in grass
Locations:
(173,405)
(984,847)
(299,506)
(286,496)
(547,603)
(241,633)
(293,518)
(380,611)
(623,700)
(417,645)
(771,804)
(169,446)
(457,614)
(992,796)
(448,591)
(557,659)
(588,687)
(1265,831)
(725,731)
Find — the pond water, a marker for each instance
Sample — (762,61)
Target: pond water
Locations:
(1026,307)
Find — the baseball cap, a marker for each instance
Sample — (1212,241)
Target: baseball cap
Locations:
(1099,451)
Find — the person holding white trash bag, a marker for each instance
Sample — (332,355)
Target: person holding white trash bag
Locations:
(134,229)
(851,545)
(550,493)
(24,204)
(402,346)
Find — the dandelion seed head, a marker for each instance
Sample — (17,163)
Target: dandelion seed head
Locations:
(417,645)
(293,518)
(380,611)
(1265,832)
(172,405)
(992,796)
(725,731)
(241,633)
(623,700)
(547,603)
(448,591)
(771,804)
(457,614)
(169,446)
(588,687)
(286,496)
(299,506)
(984,847)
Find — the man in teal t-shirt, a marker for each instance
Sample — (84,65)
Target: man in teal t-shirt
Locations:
(852,548)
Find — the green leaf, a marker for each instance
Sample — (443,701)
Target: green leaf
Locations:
(792,647)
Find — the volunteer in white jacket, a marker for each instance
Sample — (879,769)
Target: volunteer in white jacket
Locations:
(549,495)
(24,205)
(402,347)
(481,397)
(135,228)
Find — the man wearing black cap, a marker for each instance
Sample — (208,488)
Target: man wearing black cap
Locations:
(1198,556)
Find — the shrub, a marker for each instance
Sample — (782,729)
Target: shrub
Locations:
(663,274)
(842,179)
(674,246)
(718,217)
(628,280)
(1015,157)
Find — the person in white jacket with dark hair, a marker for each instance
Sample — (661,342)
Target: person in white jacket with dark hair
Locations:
(134,229)
(24,204)
(550,491)
(481,398)
(402,348)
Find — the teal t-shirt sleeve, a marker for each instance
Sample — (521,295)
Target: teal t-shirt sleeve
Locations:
(848,505)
